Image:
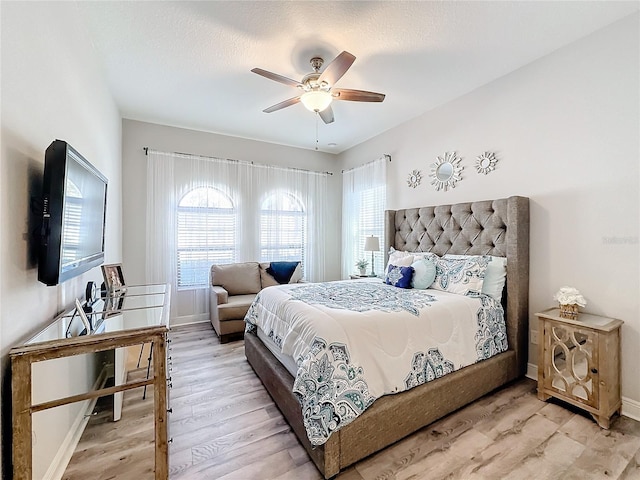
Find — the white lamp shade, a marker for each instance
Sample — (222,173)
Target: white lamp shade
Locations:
(371,244)
(316,100)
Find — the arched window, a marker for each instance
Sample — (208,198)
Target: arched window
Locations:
(283,228)
(206,234)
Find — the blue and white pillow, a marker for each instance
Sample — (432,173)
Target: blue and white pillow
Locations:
(460,275)
(399,276)
(494,278)
(424,273)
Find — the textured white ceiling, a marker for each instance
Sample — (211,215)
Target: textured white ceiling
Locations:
(187,64)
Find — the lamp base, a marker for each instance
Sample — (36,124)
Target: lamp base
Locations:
(373,273)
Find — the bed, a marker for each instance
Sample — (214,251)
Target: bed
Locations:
(495,227)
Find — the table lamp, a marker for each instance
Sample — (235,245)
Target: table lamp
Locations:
(372,244)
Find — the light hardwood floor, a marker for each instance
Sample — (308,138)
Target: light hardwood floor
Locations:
(225,426)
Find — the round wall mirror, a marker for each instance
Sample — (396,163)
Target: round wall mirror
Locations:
(446,171)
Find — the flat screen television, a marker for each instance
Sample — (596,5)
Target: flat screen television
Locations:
(74,195)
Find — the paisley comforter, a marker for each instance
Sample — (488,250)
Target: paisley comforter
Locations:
(355,341)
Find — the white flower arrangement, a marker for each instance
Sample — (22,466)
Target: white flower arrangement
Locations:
(570,296)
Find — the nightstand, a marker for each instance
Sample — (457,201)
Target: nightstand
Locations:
(579,362)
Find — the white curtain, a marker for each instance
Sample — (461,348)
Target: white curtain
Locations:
(170,176)
(160,263)
(364,200)
(310,188)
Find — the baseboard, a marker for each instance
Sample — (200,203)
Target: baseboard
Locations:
(190,319)
(65,452)
(630,408)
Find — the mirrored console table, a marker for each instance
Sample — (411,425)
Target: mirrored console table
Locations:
(136,316)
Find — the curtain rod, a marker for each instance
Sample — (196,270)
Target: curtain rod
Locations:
(386,156)
(231,160)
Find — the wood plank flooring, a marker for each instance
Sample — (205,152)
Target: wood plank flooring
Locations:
(225,426)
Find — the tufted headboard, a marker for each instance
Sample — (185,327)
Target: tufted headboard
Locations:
(491,227)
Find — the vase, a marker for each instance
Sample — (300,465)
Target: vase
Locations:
(569,311)
(363,272)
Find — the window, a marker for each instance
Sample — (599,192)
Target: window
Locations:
(206,234)
(371,222)
(283,228)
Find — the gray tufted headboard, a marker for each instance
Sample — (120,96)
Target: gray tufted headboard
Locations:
(492,227)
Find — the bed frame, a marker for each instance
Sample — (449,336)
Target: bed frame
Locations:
(493,227)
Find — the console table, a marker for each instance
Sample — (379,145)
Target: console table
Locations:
(137,316)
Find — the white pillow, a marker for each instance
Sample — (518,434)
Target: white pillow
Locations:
(460,275)
(399,258)
(424,273)
(494,277)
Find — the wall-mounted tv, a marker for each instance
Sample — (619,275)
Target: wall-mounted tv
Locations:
(74,195)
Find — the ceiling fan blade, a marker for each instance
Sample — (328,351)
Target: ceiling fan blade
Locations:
(337,68)
(327,115)
(278,106)
(276,77)
(356,95)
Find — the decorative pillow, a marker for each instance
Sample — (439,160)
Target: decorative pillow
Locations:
(297,274)
(495,276)
(460,275)
(399,276)
(424,273)
(282,271)
(397,257)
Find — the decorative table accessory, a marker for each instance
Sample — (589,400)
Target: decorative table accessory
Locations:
(372,244)
(569,299)
(362,265)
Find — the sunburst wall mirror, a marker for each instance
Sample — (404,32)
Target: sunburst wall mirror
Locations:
(414,178)
(446,171)
(486,162)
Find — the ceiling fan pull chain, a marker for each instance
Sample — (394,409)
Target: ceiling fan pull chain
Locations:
(317,115)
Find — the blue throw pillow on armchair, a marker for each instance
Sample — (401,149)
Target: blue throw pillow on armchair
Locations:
(399,276)
(282,271)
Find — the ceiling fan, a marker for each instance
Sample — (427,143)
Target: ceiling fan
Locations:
(318,88)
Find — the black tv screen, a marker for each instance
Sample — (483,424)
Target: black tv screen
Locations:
(74,195)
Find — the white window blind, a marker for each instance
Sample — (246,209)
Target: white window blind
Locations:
(71,235)
(371,222)
(206,234)
(283,228)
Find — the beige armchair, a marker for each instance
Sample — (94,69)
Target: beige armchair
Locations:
(234,286)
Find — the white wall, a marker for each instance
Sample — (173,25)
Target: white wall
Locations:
(566,131)
(52,88)
(192,305)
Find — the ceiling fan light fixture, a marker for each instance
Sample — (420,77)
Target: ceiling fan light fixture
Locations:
(316,100)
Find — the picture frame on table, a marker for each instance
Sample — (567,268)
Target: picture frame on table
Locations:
(113,277)
(113,303)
